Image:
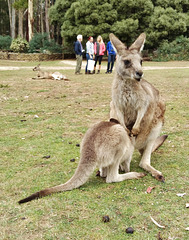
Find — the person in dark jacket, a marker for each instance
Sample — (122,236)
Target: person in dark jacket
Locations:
(111,57)
(79,54)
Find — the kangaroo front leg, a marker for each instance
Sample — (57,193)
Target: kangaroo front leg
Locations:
(136,128)
(145,162)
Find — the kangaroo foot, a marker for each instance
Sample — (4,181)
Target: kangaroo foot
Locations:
(160,178)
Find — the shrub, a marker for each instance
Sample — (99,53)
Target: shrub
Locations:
(175,50)
(5,42)
(19,45)
(41,43)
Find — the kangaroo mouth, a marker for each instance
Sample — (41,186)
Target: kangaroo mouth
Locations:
(138,78)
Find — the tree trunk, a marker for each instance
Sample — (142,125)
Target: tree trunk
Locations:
(20,23)
(47,18)
(30,19)
(12,18)
(42,25)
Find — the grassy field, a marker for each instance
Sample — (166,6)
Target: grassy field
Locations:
(40,118)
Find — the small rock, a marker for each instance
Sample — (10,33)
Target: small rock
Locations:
(130,230)
(47,156)
(77,145)
(70,142)
(72,160)
(106,218)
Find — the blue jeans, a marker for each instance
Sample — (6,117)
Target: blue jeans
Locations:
(88,57)
(111,60)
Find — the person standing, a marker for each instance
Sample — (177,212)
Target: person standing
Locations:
(99,49)
(79,53)
(89,52)
(111,57)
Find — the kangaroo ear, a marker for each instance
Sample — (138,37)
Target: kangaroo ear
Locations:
(139,43)
(117,44)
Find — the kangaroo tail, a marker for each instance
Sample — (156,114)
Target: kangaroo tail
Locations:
(80,177)
(159,141)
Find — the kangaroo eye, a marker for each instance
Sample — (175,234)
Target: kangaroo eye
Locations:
(127,63)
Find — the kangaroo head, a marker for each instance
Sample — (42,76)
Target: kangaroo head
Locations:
(37,68)
(129,60)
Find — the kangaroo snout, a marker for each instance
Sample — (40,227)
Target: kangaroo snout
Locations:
(138,75)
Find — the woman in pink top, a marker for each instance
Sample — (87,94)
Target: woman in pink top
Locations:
(99,49)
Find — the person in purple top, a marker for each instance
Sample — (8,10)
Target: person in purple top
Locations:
(111,57)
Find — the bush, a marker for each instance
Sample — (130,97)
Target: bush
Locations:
(5,42)
(19,45)
(41,43)
(175,50)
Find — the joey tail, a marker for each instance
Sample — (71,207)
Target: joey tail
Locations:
(80,177)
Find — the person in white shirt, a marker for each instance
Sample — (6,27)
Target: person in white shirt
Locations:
(89,52)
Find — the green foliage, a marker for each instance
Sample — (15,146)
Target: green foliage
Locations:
(41,43)
(19,45)
(160,19)
(126,27)
(5,42)
(88,17)
(175,50)
(58,10)
(20,4)
(166,24)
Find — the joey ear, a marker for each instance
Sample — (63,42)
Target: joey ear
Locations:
(117,44)
(139,43)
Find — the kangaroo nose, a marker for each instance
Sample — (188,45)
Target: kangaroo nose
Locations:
(139,73)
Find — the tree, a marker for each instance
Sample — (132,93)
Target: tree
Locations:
(12,18)
(160,19)
(57,16)
(88,17)
(4,19)
(30,19)
(20,5)
(166,24)
(47,17)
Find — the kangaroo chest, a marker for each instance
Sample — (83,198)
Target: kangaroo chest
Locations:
(131,98)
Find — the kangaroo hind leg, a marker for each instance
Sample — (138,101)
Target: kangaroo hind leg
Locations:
(145,162)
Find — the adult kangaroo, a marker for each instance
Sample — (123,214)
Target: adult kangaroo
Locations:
(136,103)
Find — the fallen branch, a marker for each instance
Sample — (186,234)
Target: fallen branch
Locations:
(157,224)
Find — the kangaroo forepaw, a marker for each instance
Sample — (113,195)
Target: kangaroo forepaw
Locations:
(135,131)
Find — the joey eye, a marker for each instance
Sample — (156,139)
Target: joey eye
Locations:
(127,63)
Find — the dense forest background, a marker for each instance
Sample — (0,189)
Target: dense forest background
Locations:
(62,20)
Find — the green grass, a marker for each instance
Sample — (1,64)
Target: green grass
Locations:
(65,110)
